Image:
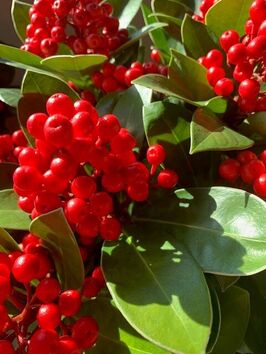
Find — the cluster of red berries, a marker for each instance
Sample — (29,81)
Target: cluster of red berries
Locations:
(246,59)
(54,21)
(117,78)
(204,8)
(45,302)
(249,167)
(79,163)
(11,146)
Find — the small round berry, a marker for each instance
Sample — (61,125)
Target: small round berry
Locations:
(48,290)
(123,142)
(107,127)
(167,179)
(214,58)
(236,54)
(224,87)
(243,71)
(249,89)
(5,288)
(48,316)
(69,302)
(101,204)
(138,191)
(76,210)
(252,170)
(132,74)
(6,347)
(83,187)
(91,287)
(245,156)
(110,229)
(259,186)
(88,228)
(26,268)
(27,178)
(85,331)
(215,74)
(155,55)
(229,170)
(97,274)
(68,345)
(61,104)
(48,47)
(58,131)
(156,154)
(257,47)
(43,341)
(228,39)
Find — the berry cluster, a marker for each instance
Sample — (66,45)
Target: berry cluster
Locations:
(116,78)
(249,167)
(11,146)
(246,61)
(204,8)
(86,26)
(80,163)
(57,331)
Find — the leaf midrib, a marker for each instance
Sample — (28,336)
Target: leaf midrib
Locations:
(174,223)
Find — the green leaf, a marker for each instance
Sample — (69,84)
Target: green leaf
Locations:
(167,124)
(144,31)
(257,122)
(169,87)
(226,282)
(36,89)
(208,133)
(190,77)
(228,14)
(58,237)
(73,66)
(235,308)
(197,38)
(10,96)
(7,243)
(158,36)
(11,217)
(163,294)
(20,18)
(222,227)
(130,115)
(216,322)
(125,10)
(255,335)
(6,175)
(120,337)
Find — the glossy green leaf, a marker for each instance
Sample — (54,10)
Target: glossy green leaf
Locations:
(235,307)
(257,122)
(222,227)
(169,87)
(58,237)
(7,243)
(108,102)
(255,335)
(36,89)
(11,217)
(158,37)
(197,38)
(163,294)
(208,133)
(10,96)
(125,10)
(226,282)
(167,124)
(120,337)
(216,322)
(190,78)
(228,14)
(20,17)
(144,31)
(6,173)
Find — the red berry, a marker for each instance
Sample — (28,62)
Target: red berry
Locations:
(5,288)
(26,268)
(260,186)
(110,229)
(48,316)
(237,54)
(58,131)
(19,138)
(27,178)
(82,124)
(167,179)
(97,274)
(252,170)
(155,156)
(132,74)
(245,156)
(122,142)
(85,331)
(35,125)
(107,127)
(155,55)
(69,302)
(228,39)
(83,187)
(68,345)
(48,290)
(43,341)
(249,89)
(88,228)
(214,58)
(76,210)
(138,191)
(61,104)
(224,87)
(243,71)
(48,47)
(229,170)
(6,347)
(91,287)
(101,204)
(215,74)
(257,47)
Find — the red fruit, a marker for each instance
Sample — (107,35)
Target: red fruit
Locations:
(237,54)
(215,74)
(228,39)
(110,229)
(138,191)
(27,178)
(58,34)
(214,58)
(224,87)
(101,204)
(48,47)
(123,142)
(35,125)
(97,274)
(247,105)
(249,89)
(155,56)
(85,331)
(110,84)
(26,268)
(43,341)
(252,170)
(243,71)
(82,124)
(48,290)
(76,210)
(88,228)
(6,347)
(48,316)
(259,186)
(58,131)
(262,29)
(91,287)
(5,288)
(263,156)
(60,103)
(150,68)
(54,183)
(156,154)
(19,138)
(257,47)
(119,74)
(167,179)
(132,74)
(68,345)
(107,127)
(245,156)
(69,302)
(229,170)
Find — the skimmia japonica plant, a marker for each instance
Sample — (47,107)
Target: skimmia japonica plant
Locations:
(133,178)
